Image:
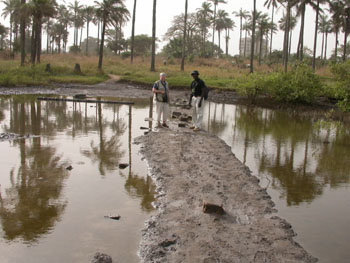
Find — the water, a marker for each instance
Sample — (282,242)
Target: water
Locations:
(50,214)
(305,166)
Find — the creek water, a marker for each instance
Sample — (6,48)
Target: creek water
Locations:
(303,163)
(50,214)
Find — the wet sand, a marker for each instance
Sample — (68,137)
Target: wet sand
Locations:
(190,168)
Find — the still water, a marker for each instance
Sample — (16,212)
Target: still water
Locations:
(51,214)
(305,166)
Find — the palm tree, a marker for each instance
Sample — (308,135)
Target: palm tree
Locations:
(301,8)
(40,9)
(246,27)
(89,15)
(264,27)
(229,25)
(184,38)
(272,3)
(3,34)
(204,20)
(242,14)
(23,31)
(133,33)
(346,25)
(336,10)
(220,23)
(216,2)
(318,9)
(153,60)
(11,8)
(75,8)
(292,25)
(324,28)
(108,9)
(253,39)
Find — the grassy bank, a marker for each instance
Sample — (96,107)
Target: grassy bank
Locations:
(300,85)
(217,73)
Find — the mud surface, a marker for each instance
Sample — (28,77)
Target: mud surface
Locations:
(190,168)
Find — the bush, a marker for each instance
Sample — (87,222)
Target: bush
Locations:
(299,85)
(341,72)
(251,85)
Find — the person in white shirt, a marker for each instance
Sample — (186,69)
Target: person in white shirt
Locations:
(161,92)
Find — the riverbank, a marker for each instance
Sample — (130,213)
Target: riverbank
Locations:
(191,168)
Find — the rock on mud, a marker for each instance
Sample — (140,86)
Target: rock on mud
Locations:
(101,258)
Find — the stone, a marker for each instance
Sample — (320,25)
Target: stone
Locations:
(102,258)
(123,165)
(176,114)
(182,125)
(69,168)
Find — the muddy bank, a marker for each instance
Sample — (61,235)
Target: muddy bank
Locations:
(190,168)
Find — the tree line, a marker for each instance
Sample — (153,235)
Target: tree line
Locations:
(188,36)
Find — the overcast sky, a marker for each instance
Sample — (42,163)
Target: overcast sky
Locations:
(167,9)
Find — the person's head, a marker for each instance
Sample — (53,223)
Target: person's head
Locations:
(195,74)
(162,76)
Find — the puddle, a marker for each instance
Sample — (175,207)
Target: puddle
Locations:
(51,214)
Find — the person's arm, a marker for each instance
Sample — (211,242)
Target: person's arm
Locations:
(191,96)
(156,90)
(202,95)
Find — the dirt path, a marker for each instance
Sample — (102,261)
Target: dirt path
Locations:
(190,168)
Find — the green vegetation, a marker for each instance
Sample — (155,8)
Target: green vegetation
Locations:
(298,85)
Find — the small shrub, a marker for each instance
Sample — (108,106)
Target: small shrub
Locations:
(299,85)
(341,72)
(251,85)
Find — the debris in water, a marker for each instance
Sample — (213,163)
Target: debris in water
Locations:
(113,217)
(123,165)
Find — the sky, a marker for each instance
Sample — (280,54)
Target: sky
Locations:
(167,9)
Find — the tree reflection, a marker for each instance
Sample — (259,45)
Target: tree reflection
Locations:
(107,153)
(32,205)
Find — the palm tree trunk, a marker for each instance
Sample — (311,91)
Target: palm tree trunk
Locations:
(87,37)
(184,38)
(253,40)
(325,49)
(98,33)
(345,39)
(273,12)
(81,36)
(214,22)
(336,43)
(322,48)
(38,39)
(153,60)
(219,40)
(240,36)
(23,34)
(10,34)
(300,49)
(102,43)
(33,42)
(245,43)
(133,33)
(290,43)
(286,46)
(315,40)
(227,37)
(260,48)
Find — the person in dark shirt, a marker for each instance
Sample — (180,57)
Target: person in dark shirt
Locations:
(161,92)
(197,100)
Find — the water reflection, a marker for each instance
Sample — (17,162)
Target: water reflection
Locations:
(33,201)
(299,156)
